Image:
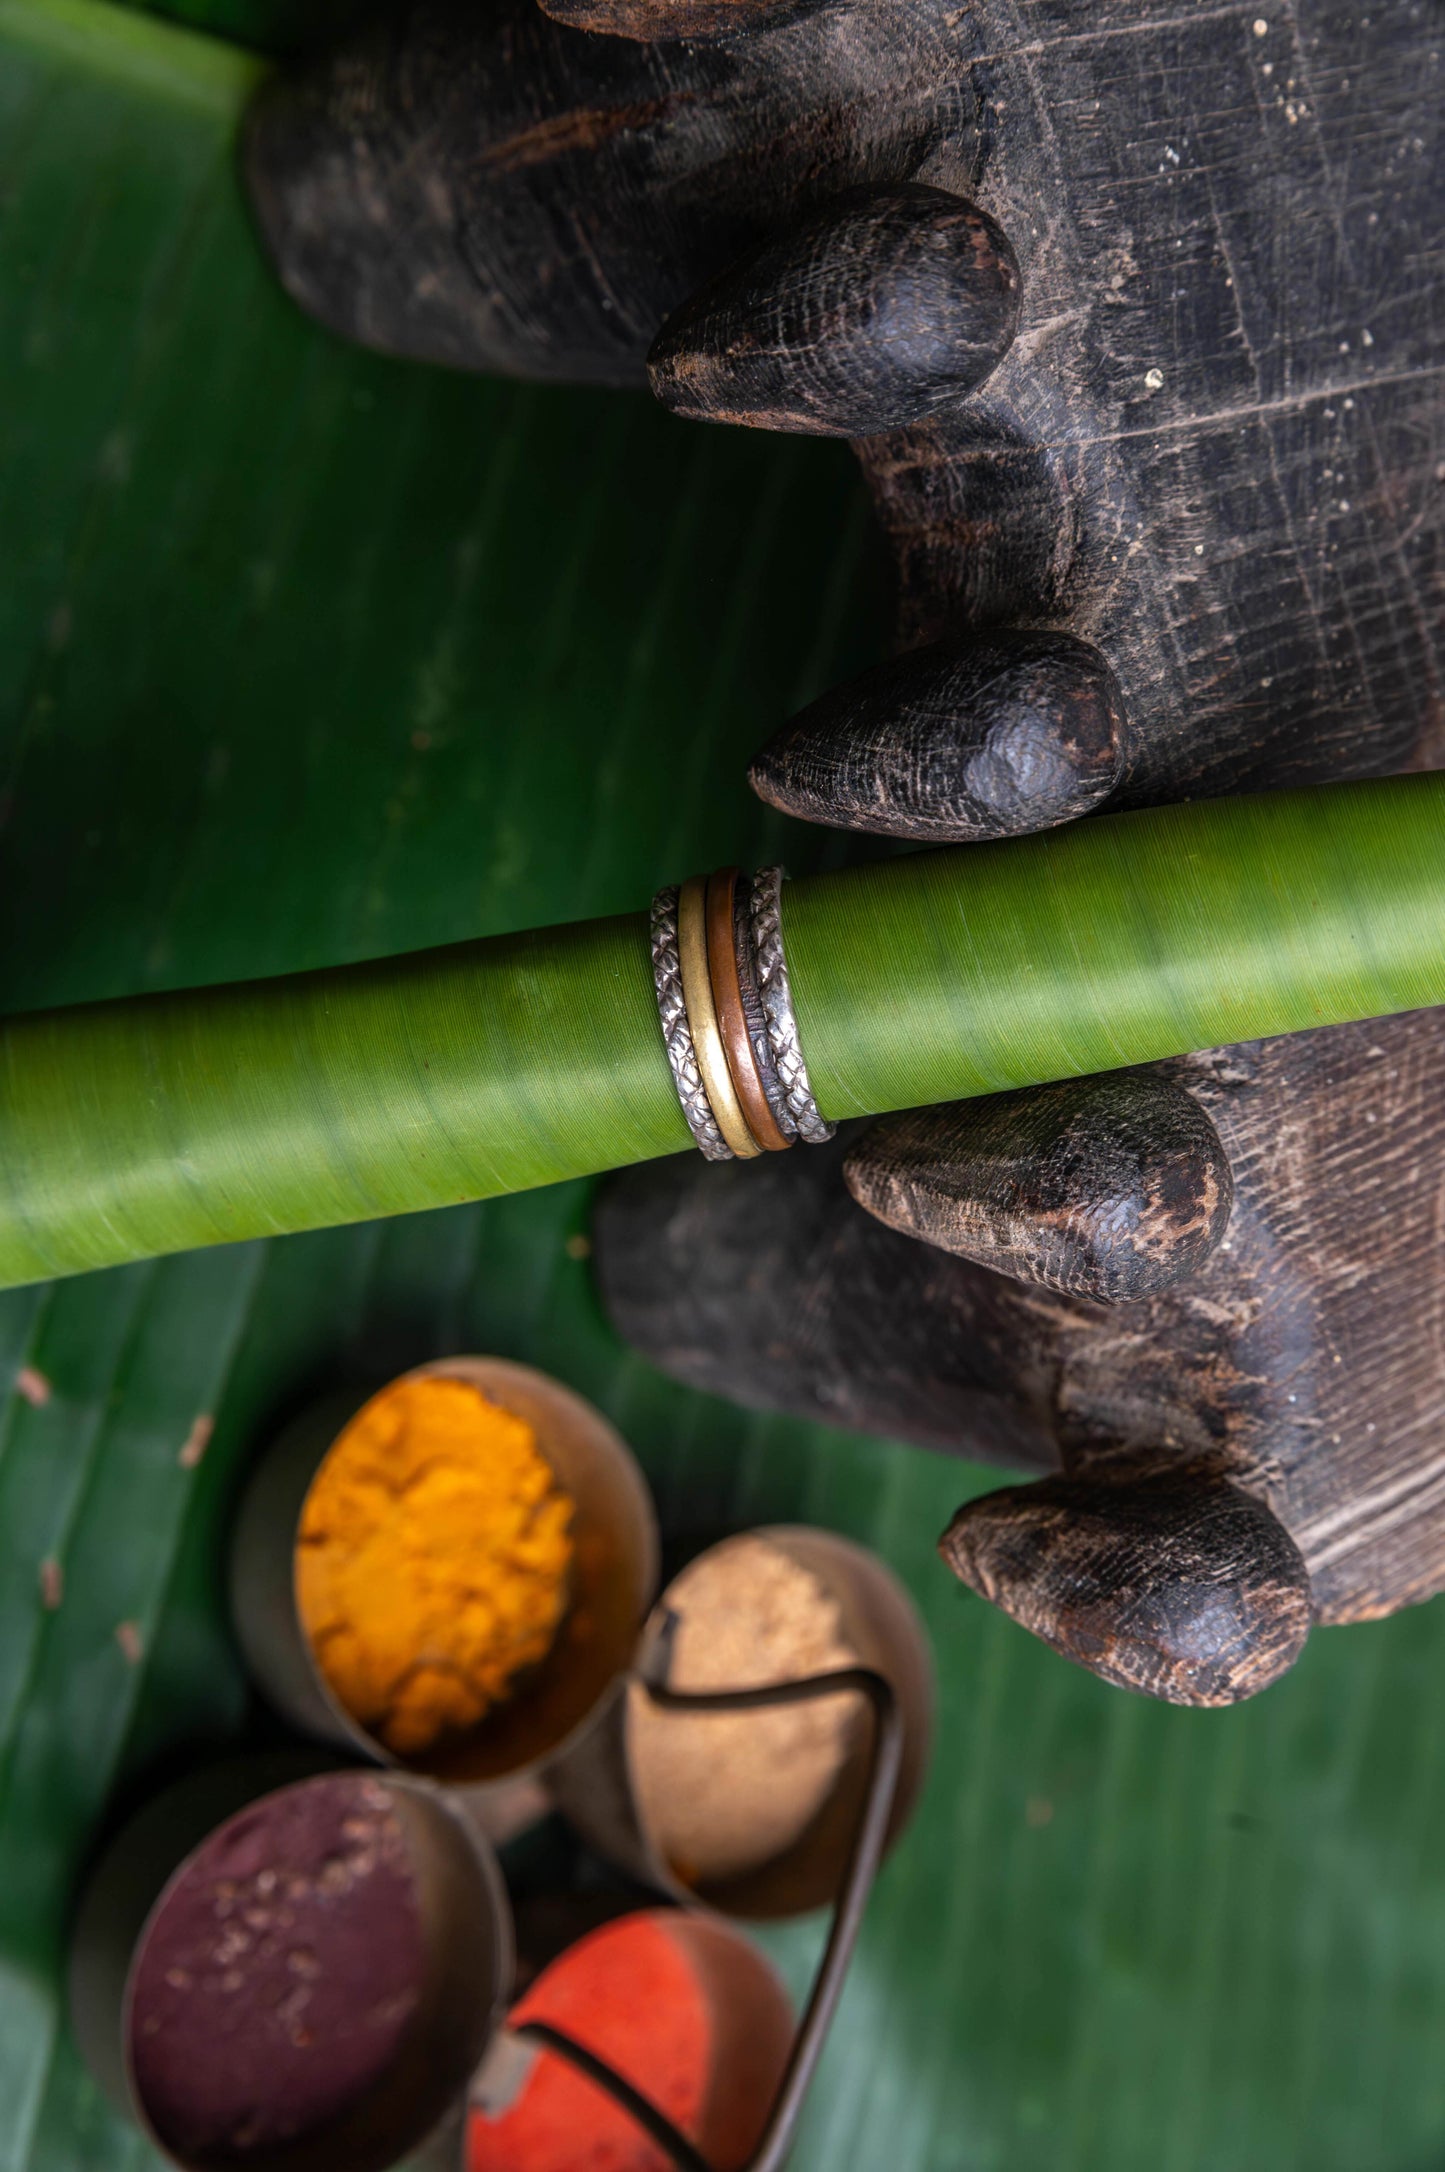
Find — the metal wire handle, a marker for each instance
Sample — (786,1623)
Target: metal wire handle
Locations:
(864,1856)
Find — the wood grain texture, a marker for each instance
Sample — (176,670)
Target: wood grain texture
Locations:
(955,741)
(1171,1582)
(884,307)
(1110,1187)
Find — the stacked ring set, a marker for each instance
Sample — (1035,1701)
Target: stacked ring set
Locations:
(728,1018)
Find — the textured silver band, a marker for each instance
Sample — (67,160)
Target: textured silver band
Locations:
(676,1033)
(759,1039)
(778,1009)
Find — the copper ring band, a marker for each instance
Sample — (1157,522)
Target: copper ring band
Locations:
(727,996)
(702,1017)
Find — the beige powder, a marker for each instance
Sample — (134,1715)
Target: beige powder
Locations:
(722,1794)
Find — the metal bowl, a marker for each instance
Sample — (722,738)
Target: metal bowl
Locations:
(614,1575)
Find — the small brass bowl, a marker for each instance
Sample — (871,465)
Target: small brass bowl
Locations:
(467,1945)
(593,1782)
(614,1575)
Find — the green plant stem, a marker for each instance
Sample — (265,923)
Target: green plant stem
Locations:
(157,1124)
(1118,940)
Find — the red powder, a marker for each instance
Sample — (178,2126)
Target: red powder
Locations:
(629,1993)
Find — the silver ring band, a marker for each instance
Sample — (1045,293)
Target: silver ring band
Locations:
(778,1009)
(676,1033)
(745,943)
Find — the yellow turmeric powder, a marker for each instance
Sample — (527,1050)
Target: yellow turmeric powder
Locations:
(433,1560)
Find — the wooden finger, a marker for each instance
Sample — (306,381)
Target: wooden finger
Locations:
(1174,1583)
(949,743)
(1110,1187)
(884,307)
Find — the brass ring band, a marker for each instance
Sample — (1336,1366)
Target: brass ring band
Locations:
(727,996)
(707,1039)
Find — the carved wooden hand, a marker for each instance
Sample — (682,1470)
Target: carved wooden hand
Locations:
(1131,318)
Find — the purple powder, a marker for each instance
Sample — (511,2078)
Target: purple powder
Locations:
(279,1977)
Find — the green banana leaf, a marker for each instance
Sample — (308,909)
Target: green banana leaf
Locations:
(306,656)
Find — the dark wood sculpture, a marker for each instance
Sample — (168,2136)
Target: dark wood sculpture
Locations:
(1134,312)
(1303,1360)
